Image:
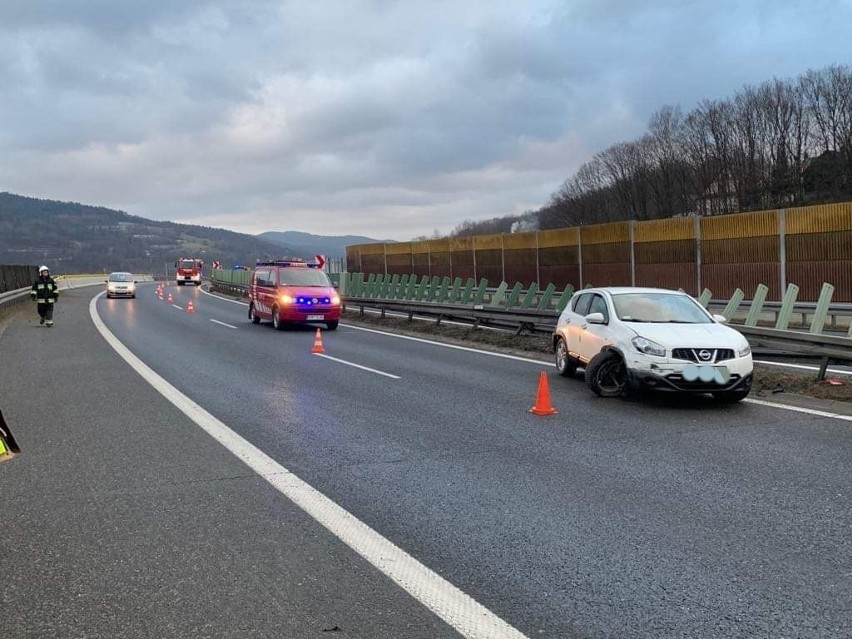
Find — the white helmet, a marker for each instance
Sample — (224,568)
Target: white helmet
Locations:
(42,269)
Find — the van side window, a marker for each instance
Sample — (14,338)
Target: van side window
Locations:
(261,277)
(581,305)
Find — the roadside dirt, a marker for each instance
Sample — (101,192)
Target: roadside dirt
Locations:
(769,380)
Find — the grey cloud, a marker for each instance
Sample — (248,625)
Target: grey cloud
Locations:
(390,115)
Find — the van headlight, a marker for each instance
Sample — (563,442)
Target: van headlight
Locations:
(649,347)
(744,351)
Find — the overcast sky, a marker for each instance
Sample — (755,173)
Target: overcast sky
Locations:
(378,118)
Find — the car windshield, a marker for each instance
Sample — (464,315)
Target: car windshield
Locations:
(659,308)
(303,277)
(121,277)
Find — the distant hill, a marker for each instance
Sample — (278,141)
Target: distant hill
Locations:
(74,238)
(307,245)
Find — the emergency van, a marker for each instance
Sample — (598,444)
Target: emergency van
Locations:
(288,292)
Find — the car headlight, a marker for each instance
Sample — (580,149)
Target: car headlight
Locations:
(743,351)
(644,345)
(286,299)
(335,300)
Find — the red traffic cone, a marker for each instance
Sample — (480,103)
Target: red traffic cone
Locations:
(542,400)
(189,307)
(318,343)
(170,298)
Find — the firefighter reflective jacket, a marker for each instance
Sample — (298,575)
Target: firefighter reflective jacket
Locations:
(45,290)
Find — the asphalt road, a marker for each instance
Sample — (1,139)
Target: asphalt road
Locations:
(652,518)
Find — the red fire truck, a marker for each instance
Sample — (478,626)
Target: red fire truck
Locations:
(188,271)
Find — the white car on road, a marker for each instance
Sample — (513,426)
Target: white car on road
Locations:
(648,338)
(120,284)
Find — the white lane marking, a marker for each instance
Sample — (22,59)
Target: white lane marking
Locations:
(799,409)
(180,308)
(224,299)
(539,362)
(804,367)
(426,318)
(418,339)
(459,610)
(363,368)
(222,323)
(453,346)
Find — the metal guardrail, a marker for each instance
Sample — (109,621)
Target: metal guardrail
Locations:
(518,320)
(64,282)
(498,311)
(9,298)
(828,347)
(804,310)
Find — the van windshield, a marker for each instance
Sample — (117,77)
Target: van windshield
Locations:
(303,277)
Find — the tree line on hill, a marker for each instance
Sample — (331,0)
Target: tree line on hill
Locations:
(74,238)
(784,143)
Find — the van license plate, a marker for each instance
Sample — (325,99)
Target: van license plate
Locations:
(313,318)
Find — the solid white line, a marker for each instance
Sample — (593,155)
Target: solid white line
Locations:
(799,409)
(222,323)
(459,610)
(224,299)
(453,346)
(804,367)
(539,362)
(426,318)
(363,368)
(418,339)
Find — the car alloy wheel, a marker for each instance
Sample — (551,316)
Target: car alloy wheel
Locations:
(564,365)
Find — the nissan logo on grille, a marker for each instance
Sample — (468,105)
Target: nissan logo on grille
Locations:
(705,355)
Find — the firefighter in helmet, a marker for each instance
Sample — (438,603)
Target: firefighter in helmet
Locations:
(45,292)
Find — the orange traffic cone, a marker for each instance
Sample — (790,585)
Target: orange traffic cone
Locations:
(170,298)
(542,400)
(189,307)
(318,343)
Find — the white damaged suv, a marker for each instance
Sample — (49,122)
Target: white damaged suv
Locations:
(649,338)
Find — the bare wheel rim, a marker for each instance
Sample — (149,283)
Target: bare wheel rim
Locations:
(612,376)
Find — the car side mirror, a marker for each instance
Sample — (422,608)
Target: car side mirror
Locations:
(720,318)
(595,318)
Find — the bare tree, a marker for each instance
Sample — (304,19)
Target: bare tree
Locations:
(779,144)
